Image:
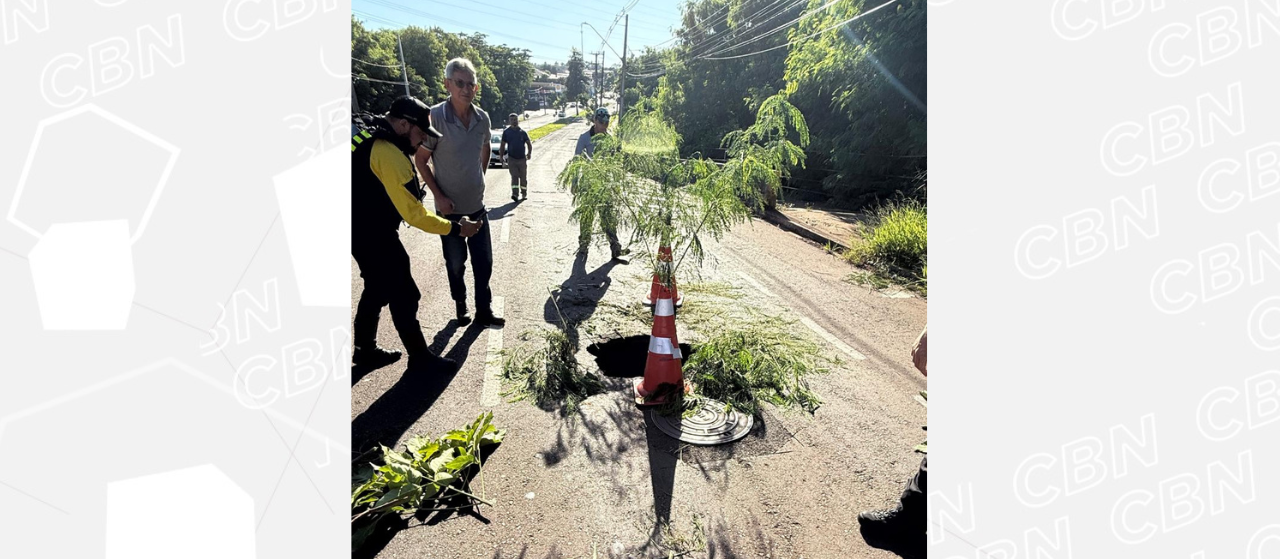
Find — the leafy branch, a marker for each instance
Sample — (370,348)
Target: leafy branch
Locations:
(421,479)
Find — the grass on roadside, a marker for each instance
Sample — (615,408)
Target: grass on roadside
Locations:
(542,131)
(894,245)
(547,372)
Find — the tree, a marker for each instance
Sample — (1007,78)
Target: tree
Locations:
(577,83)
(868,79)
(636,178)
(512,75)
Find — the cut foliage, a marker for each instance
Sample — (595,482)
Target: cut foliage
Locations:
(549,374)
(421,479)
(761,362)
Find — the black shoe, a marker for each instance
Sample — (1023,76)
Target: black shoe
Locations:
(463,318)
(524,194)
(431,363)
(891,526)
(515,196)
(486,320)
(374,357)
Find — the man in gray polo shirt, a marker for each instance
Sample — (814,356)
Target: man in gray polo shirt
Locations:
(461,157)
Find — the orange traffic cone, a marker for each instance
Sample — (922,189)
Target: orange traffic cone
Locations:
(662,367)
(664,259)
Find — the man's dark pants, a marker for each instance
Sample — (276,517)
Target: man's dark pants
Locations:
(914,499)
(455,261)
(384,265)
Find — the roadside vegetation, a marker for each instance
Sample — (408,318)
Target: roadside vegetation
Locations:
(894,245)
(545,129)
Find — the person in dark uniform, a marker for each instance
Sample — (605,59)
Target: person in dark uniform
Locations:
(385,192)
(904,525)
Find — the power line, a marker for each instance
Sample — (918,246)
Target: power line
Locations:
(757,19)
(845,22)
(675,36)
(775,30)
(769,12)
(359,77)
(375,63)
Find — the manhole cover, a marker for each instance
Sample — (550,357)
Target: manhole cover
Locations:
(712,425)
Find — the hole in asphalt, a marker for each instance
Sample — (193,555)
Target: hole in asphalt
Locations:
(625,357)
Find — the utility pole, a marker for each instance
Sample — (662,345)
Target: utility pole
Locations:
(596,81)
(622,74)
(403,72)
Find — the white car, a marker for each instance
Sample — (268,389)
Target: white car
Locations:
(495,143)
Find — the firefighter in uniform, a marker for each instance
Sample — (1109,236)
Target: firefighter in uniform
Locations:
(384,192)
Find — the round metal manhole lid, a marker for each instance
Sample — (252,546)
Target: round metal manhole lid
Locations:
(711,425)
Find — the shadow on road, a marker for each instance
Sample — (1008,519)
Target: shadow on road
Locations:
(662,471)
(502,211)
(388,418)
(360,371)
(578,296)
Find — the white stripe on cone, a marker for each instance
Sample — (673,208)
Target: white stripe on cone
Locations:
(664,307)
(663,346)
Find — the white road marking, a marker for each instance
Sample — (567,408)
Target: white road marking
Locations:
(832,339)
(490,395)
(506,226)
(809,323)
(756,284)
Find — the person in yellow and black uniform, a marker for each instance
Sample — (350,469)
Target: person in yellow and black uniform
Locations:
(385,192)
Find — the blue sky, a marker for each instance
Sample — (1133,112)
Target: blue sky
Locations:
(548,28)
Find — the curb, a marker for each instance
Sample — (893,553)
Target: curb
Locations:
(781,220)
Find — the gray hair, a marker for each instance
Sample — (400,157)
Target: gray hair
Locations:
(459,64)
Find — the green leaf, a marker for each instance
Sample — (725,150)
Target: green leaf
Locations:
(444,479)
(462,461)
(438,464)
(402,492)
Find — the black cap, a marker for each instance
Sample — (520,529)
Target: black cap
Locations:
(414,111)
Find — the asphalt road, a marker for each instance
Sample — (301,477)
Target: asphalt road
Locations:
(606,481)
